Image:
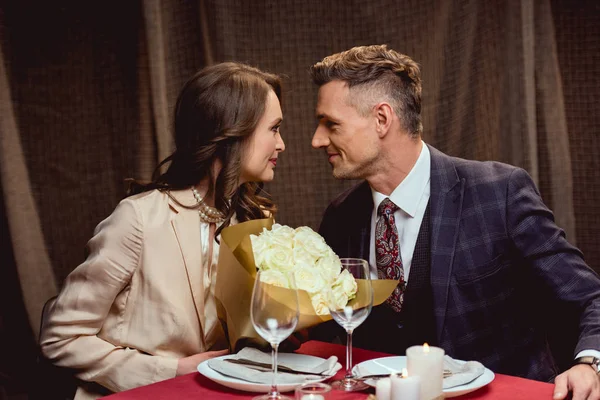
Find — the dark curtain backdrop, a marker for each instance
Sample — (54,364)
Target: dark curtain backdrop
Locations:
(87,91)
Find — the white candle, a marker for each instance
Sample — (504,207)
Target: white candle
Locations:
(405,387)
(312,397)
(427,362)
(382,389)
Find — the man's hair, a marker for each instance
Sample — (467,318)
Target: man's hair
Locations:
(375,73)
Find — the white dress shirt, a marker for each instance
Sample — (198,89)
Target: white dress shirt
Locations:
(411,196)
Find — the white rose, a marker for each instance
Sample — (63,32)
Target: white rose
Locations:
(265,234)
(279,258)
(308,278)
(274,277)
(301,256)
(339,297)
(259,246)
(330,267)
(311,242)
(282,228)
(347,283)
(319,303)
(305,229)
(282,235)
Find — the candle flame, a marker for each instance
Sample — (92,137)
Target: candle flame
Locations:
(404,372)
(425,348)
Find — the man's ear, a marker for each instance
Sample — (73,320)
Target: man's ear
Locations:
(384,114)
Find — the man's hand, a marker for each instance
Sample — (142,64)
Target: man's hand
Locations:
(189,364)
(582,380)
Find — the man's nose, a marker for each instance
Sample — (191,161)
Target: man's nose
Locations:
(320,138)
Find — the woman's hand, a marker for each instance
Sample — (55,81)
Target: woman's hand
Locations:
(189,364)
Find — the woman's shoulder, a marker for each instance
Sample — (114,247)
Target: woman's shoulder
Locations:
(150,195)
(148,200)
(161,204)
(142,206)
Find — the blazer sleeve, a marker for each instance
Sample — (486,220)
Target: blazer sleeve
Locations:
(69,331)
(557,263)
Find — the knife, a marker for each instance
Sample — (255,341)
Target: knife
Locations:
(269,367)
(379,376)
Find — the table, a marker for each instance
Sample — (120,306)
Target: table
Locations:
(195,386)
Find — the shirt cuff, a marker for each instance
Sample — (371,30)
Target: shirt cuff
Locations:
(584,353)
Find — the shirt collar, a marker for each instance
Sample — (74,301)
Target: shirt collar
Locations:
(409,192)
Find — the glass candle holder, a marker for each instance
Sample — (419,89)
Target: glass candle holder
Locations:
(313,391)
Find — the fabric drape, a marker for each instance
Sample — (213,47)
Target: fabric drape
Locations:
(86,100)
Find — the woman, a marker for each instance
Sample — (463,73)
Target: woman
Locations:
(141,308)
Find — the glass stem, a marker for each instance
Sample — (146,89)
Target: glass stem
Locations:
(274,392)
(349,355)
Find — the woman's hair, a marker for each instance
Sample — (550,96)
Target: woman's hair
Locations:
(217,111)
(374,73)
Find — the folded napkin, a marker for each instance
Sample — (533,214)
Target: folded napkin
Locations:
(259,375)
(461,373)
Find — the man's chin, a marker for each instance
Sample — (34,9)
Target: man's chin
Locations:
(341,174)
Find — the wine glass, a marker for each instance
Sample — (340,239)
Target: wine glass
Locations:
(274,314)
(350,315)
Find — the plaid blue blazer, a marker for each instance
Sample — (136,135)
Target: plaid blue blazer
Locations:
(503,275)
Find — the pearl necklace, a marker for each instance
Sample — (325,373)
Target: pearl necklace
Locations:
(207,213)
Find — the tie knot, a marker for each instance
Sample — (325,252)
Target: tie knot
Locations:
(387,207)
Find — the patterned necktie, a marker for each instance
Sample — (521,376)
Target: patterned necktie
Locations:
(387,252)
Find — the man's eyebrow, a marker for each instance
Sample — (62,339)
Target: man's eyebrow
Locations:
(322,115)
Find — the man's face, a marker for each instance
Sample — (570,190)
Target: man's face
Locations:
(350,139)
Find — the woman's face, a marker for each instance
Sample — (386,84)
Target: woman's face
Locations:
(265,144)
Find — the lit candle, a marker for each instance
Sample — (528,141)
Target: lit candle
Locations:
(312,397)
(427,362)
(405,387)
(382,389)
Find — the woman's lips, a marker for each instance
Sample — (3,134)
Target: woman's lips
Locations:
(273,161)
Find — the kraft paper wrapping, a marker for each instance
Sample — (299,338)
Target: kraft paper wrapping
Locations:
(235,280)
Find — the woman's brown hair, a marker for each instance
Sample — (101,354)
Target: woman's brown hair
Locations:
(217,111)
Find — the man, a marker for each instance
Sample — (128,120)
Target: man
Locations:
(479,260)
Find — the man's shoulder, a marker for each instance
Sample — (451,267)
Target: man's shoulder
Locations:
(484,170)
(356,194)
(477,173)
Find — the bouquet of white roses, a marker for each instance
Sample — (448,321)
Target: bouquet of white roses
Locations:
(303,253)
(280,251)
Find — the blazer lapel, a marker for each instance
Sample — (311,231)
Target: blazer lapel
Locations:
(359,241)
(446,199)
(186,225)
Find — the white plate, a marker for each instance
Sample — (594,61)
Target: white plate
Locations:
(395,364)
(239,384)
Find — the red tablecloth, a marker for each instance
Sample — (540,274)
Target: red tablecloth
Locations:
(195,386)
